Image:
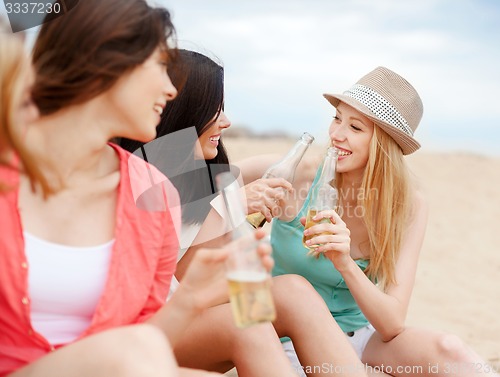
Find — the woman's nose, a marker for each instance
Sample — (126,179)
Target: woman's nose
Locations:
(223,120)
(337,132)
(169,89)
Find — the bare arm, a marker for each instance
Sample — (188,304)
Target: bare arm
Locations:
(259,196)
(203,285)
(188,302)
(263,195)
(253,168)
(389,315)
(212,234)
(386,311)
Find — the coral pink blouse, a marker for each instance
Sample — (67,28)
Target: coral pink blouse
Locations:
(142,262)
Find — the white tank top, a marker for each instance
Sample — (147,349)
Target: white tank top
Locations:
(65,285)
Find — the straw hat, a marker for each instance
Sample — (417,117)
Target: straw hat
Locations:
(389,101)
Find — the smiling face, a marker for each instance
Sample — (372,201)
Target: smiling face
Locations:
(140,96)
(351,133)
(206,148)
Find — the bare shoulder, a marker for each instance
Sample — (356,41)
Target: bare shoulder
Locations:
(420,203)
(419,213)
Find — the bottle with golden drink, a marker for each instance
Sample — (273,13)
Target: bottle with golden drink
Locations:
(324,194)
(249,282)
(285,168)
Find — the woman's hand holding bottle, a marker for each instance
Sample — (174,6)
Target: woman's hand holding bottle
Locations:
(205,279)
(332,237)
(264,196)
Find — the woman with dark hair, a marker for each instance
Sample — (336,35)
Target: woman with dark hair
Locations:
(203,98)
(84,273)
(189,150)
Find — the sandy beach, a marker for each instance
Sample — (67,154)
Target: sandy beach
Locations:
(457,285)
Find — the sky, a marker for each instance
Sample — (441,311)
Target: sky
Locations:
(280,56)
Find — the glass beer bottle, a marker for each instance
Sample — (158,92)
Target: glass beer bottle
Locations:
(324,194)
(285,168)
(249,282)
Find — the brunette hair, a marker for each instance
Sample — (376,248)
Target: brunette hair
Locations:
(84,52)
(200,99)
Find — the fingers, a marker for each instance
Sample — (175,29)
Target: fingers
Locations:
(268,205)
(327,221)
(265,195)
(272,207)
(329,243)
(278,182)
(260,234)
(268,263)
(326,239)
(264,249)
(330,233)
(323,227)
(314,253)
(329,214)
(327,233)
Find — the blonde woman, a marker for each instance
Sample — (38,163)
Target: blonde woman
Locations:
(369,247)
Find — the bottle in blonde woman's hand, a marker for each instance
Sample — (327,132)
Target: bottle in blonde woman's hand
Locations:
(324,196)
(309,223)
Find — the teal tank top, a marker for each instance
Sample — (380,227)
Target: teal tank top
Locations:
(290,257)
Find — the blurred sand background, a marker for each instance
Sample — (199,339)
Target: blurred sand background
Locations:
(457,287)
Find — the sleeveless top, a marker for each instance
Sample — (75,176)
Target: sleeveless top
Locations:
(290,257)
(65,284)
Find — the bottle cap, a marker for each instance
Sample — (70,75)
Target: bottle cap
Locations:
(307,137)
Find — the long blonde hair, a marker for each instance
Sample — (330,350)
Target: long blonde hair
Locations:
(386,204)
(14,66)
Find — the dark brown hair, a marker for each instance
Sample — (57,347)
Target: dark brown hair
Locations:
(83,53)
